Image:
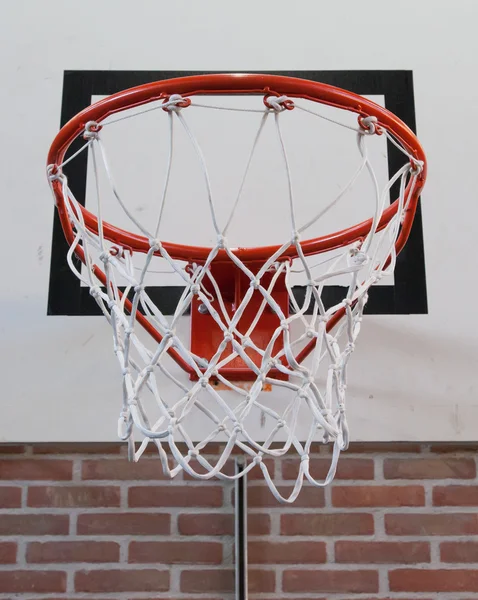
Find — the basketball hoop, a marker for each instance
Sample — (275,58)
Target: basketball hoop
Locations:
(247,325)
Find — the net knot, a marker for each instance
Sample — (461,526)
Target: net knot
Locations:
(95,291)
(92,130)
(172,425)
(295,239)
(149,369)
(416,166)
(304,458)
(341,407)
(128,330)
(195,289)
(221,241)
(284,325)
(193,453)
(280,423)
(175,102)
(246,341)
(358,257)
(255,283)
(350,347)
(221,427)
(237,428)
(278,103)
(204,381)
(368,125)
(311,333)
(55,173)
(227,337)
(257,459)
(105,256)
(139,288)
(125,371)
(155,244)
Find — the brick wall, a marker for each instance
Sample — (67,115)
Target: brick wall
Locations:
(79,521)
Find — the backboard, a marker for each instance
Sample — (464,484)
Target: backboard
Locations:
(413,375)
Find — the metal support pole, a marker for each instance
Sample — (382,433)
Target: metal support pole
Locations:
(241,531)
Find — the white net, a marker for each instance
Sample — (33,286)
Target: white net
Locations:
(304,360)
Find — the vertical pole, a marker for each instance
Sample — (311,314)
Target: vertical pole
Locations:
(241,530)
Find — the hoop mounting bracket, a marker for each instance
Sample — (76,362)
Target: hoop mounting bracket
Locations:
(206,335)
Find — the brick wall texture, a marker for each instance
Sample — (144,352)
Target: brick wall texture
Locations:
(77,521)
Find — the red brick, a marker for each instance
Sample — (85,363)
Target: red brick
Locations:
(330,581)
(347,468)
(286,552)
(122,580)
(256,474)
(259,496)
(382,552)
(429,468)
(123,470)
(455,495)
(431,524)
(221,580)
(32,581)
(72,552)
(78,448)
(178,495)
(327,524)
(378,495)
(73,496)
(221,524)
(459,552)
(12,449)
(382,447)
(433,580)
(170,553)
(8,553)
(36,469)
(34,524)
(124,524)
(10,497)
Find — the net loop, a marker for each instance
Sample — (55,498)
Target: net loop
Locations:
(369,125)
(92,130)
(175,102)
(278,103)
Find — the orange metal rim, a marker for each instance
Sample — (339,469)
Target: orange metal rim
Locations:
(249,84)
